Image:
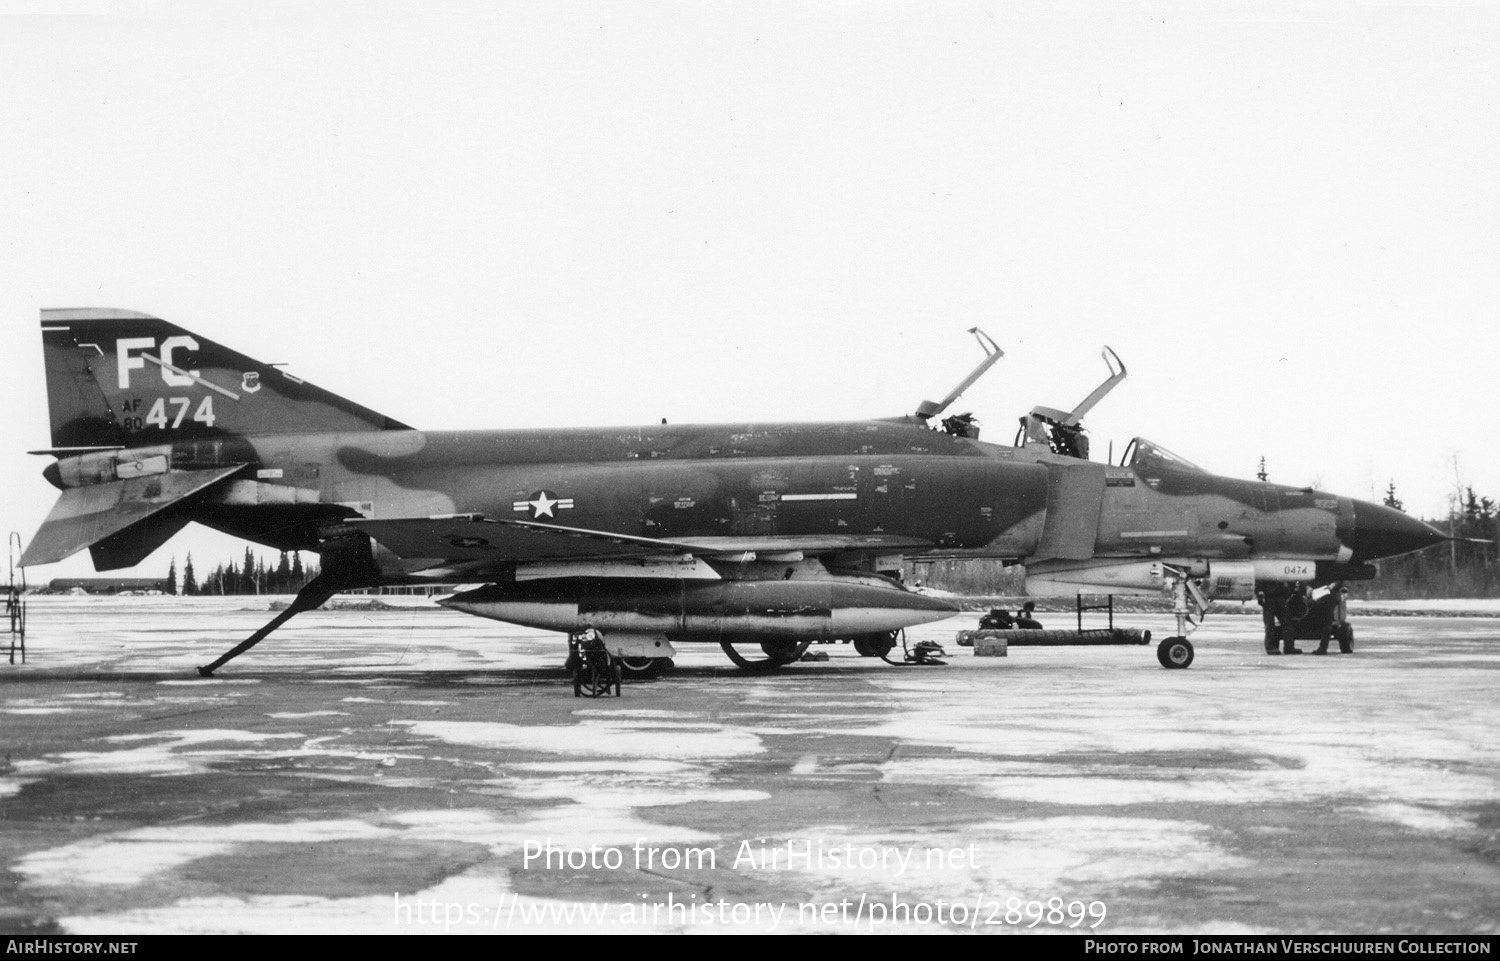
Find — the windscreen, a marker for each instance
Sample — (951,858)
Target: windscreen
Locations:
(1144,453)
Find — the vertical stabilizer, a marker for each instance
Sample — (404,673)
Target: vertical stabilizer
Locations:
(117,378)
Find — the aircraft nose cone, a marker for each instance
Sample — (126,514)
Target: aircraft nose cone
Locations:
(1381,531)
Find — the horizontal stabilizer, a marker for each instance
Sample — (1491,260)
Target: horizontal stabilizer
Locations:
(84,516)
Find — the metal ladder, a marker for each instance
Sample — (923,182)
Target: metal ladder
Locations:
(15,601)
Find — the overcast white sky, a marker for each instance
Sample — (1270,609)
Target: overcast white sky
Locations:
(1285,217)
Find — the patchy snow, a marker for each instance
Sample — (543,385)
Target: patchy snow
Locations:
(164,757)
(130,857)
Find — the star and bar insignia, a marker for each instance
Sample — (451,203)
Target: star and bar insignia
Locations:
(543,504)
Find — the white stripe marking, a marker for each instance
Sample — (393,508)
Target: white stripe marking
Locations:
(193,374)
(819,497)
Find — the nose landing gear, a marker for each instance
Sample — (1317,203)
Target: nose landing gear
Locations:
(1188,606)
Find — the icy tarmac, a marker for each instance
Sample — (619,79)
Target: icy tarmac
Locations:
(418,771)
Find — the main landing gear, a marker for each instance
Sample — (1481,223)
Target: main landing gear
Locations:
(875,645)
(643,668)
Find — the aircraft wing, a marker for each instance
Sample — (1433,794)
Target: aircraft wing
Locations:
(474,537)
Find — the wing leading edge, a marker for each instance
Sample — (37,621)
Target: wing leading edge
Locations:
(466,538)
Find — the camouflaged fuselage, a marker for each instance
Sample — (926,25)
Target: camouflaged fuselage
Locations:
(154,426)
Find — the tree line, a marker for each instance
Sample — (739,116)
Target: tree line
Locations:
(1465,567)
(251,576)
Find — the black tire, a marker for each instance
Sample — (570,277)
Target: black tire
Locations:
(875,645)
(643,668)
(786,652)
(1175,653)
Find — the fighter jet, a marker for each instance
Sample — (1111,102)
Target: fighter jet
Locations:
(753,535)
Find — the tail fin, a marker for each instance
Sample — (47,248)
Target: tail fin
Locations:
(116,378)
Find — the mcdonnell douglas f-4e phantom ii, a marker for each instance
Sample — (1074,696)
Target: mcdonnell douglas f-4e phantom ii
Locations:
(768,535)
